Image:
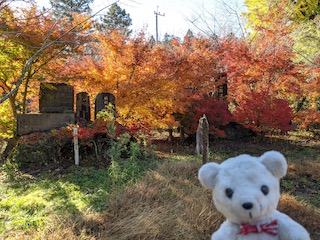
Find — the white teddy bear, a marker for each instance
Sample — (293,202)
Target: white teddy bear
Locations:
(246,191)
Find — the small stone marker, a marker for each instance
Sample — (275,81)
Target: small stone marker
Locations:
(83,113)
(102,102)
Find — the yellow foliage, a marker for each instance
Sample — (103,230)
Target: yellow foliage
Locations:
(7,122)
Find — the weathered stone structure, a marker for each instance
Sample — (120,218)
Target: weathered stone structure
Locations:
(29,123)
(202,137)
(56,105)
(56,98)
(102,102)
(83,113)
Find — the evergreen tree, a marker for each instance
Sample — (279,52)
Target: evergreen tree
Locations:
(68,7)
(167,38)
(189,34)
(152,40)
(116,19)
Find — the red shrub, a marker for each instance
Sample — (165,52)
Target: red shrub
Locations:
(33,138)
(262,112)
(216,111)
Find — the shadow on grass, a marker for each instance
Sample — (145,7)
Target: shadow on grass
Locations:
(167,199)
(65,200)
(171,204)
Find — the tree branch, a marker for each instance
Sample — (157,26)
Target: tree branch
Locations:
(44,46)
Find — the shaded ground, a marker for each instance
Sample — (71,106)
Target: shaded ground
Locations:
(302,154)
(169,203)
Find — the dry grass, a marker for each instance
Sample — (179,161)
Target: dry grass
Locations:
(300,211)
(169,203)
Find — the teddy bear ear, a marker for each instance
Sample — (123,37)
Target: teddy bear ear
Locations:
(275,162)
(207,174)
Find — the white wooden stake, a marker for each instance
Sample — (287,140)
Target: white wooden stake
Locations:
(76,146)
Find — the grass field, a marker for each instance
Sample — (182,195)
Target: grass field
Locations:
(167,202)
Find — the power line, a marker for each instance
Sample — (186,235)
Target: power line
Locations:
(157,13)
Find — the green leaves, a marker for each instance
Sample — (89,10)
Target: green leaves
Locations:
(116,19)
(66,8)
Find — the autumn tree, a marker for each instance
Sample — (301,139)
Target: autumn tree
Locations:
(129,68)
(302,15)
(30,39)
(266,62)
(306,10)
(262,64)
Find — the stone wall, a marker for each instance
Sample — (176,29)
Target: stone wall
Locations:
(29,123)
(56,105)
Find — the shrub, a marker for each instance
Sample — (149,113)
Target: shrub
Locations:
(35,148)
(127,159)
(101,143)
(216,111)
(262,112)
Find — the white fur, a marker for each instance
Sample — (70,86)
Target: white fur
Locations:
(245,175)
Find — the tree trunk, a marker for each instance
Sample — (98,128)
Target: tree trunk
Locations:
(170,135)
(182,138)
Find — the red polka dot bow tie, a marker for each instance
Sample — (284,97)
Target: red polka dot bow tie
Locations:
(269,228)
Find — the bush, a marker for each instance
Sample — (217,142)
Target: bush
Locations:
(35,148)
(101,144)
(263,113)
(216,111)
(128,159)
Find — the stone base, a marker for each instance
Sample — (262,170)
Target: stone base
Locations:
(29,123)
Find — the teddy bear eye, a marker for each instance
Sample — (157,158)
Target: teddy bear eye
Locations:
(229,192)
(265,189)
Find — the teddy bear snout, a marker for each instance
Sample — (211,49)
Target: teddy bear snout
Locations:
(247,205)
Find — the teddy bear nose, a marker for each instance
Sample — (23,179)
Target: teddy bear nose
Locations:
(247,205)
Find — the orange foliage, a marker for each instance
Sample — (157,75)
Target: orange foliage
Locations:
(150,82)
(30,33)
(263,77)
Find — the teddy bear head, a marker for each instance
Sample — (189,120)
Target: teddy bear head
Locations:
(245,188)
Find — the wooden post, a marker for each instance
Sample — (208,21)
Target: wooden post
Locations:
(76,146)
(202,146)
(205,139)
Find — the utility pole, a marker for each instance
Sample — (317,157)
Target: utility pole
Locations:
(157,13)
